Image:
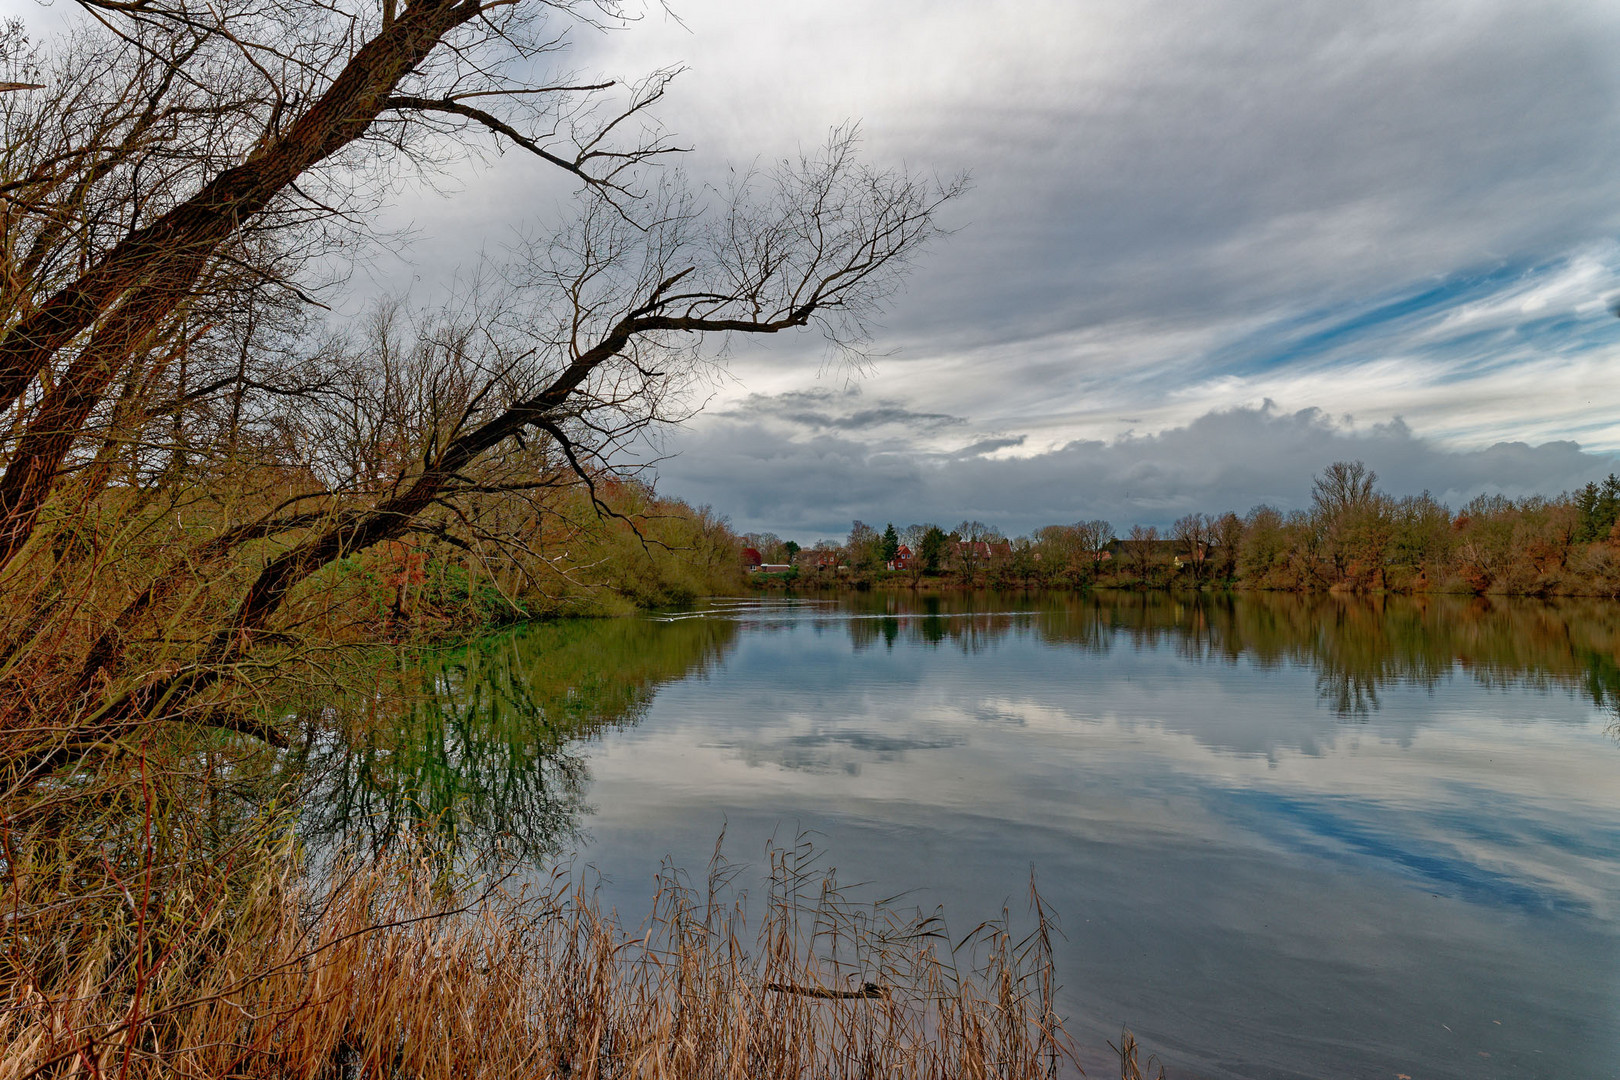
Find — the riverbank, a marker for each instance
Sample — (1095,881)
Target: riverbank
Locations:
(1172,580)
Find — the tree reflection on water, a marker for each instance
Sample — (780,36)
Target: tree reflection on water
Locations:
(487,744)
(1356,645)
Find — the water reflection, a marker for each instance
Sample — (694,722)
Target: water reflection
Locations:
(487,743)
(1357,646)
(1286,827)
(1291,836)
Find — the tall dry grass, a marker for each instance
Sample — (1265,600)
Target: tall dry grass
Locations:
(392,969)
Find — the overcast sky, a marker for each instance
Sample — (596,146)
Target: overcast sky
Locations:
(1209,249)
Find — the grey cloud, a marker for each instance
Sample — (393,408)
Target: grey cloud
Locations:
(1147,168)
(1155,183)
(990,446)
(869,418)
(763,480)
(1360,145)
(1154,159)
(1223,460)
(892,414)
(829,410)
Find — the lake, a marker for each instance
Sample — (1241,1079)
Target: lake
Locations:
(1286,836)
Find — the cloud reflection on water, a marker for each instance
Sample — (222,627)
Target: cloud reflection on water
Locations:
(1267,881)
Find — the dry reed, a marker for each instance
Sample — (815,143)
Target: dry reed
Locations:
(1130,1068)
(391,970)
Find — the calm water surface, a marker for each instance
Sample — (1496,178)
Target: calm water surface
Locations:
(1287,837)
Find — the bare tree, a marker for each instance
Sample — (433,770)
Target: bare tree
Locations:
(1141,547)
(193,144)
(864,547)
(1093,538)
(1058,548)
(1354,522)
(1342,487)
(1228,540)
(1193,534)
(970,542)
(172,432)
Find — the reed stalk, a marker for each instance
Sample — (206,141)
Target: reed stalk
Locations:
(391,967)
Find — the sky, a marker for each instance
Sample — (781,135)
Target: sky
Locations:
(1208,250)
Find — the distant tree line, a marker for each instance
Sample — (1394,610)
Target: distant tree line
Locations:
(1353,537)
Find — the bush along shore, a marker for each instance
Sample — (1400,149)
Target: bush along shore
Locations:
(611,552)
(1353,538)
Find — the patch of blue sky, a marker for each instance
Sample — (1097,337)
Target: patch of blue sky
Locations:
(1412,323)
(1586,839)
(1561,334)
(1321,329)
(1322,829)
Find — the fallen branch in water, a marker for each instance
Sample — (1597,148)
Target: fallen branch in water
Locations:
(867,990)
